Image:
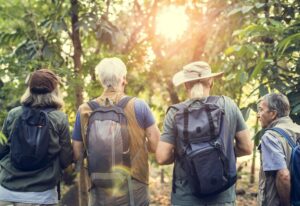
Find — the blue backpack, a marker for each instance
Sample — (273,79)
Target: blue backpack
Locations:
(203,147)
(294,166)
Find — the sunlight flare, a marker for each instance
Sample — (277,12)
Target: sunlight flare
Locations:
(171,22)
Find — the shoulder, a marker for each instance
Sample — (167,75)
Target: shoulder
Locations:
(228,101)
(139,102)
(58,114)
(270,138)
(140,105)
(15,113)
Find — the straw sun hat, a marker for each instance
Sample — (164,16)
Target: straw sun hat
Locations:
(194,71)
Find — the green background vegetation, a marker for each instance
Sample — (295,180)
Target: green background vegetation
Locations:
(256,43)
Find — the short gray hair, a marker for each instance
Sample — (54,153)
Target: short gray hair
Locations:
(110,71)
(278,102)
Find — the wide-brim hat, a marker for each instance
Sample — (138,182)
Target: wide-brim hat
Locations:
(194,71)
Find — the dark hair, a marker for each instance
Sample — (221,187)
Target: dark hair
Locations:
(279,103)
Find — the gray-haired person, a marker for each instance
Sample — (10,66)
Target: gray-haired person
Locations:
(142,130)
(198,81)
(274,177)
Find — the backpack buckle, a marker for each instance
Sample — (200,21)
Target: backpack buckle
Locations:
(216,144)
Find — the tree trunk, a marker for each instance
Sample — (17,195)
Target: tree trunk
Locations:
(77,52)
(75,35)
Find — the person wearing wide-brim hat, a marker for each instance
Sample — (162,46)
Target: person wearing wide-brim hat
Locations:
(198,81)
(36,185)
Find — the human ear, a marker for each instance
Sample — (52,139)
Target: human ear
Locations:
(274,114)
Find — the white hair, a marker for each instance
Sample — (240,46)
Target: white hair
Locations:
(111,71)
(197,91)
(196,88)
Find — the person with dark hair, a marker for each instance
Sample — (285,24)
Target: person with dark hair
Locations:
(185,134)
(33,179)
(274,177)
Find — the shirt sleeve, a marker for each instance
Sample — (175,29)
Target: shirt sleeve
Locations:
(240,121)
(66,152)
(77,128)
(168,134)
(143,114)
(273,157)
(4,149)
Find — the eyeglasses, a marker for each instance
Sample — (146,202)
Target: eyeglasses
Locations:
(260,110)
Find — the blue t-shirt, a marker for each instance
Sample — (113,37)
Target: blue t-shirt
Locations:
(143,115)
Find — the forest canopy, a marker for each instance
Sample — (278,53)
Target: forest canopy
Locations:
(256,43)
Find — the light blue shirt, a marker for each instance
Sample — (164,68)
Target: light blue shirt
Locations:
(45,197)
(273,157)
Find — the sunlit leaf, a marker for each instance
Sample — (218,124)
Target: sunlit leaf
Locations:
(282,46)
(296,109)
(246,112)
(263,90)
(234,11)
(246,9)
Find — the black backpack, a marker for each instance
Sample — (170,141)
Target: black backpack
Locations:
(29,140)
(108,147)
(203,147)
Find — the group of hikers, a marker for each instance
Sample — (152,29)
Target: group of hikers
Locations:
(114,133)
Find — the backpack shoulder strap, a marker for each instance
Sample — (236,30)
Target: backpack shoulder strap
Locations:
(283,133)
(177,107)
(212,99)
(48,110)
(93,105)
(123,102)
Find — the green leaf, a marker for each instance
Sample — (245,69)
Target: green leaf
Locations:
(245,112)
(232,49)
(259,66)
(263,90)
(3,139)
(285,43)
(296,109)
(234,11)
(246,9)
(258,136)
(243,76)
(259,5)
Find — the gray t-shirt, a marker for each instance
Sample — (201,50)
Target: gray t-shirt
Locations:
(183,194)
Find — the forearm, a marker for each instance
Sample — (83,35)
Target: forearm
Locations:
(240,151)
(153,135)
(165,153)
(77,150)
(243,143)
(283,186)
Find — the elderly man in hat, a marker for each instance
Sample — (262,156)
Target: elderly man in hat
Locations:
(37,183)
(198,81)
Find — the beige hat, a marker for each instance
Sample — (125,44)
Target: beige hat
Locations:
(194,71)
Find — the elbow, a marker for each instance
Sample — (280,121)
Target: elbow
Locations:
(161,160)
(248,150)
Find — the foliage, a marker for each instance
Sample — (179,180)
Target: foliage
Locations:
(255,42)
